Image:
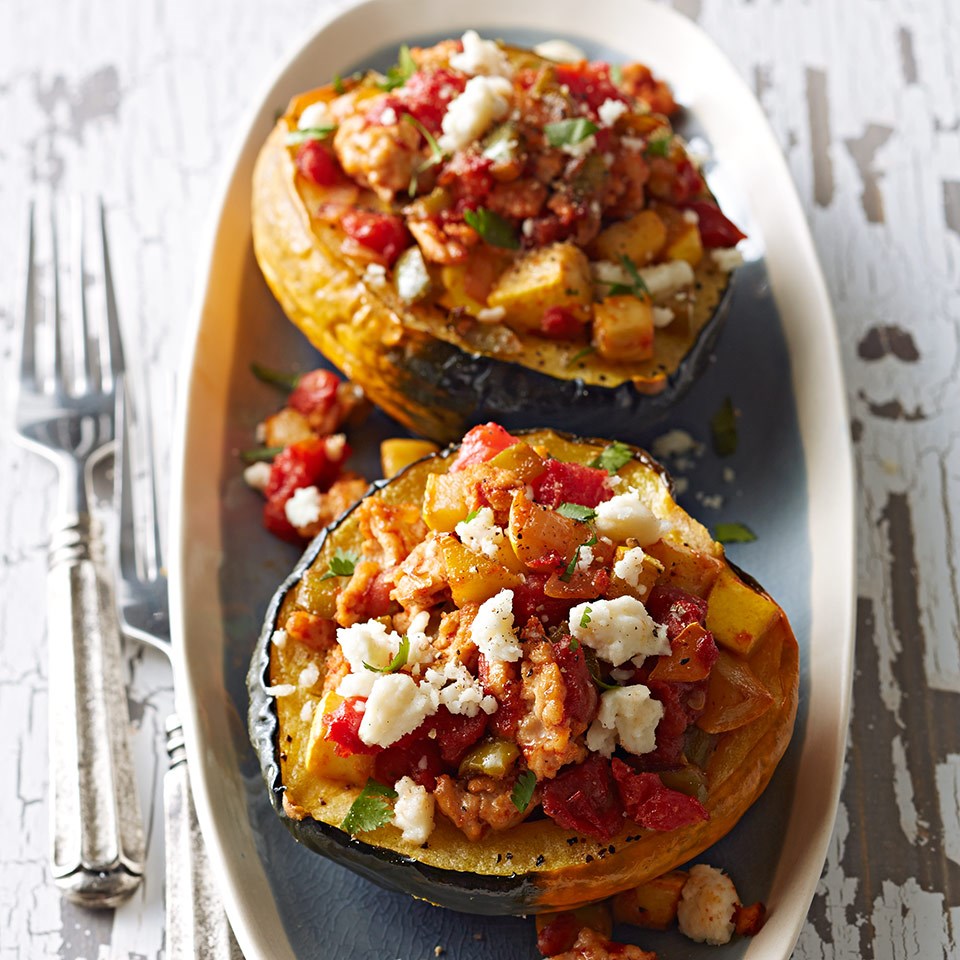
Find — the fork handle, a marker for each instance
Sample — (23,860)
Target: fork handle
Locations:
(97,828)
(197,925)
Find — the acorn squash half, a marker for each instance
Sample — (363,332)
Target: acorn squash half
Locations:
(437,370)
(537,865)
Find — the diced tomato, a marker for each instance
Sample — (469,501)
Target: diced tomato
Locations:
(674,179)
(563,482)
(383,233)
(529,601)
(510,699)
(411,756)
(343,728)
(589,82)
(558,323)
(675,609)
(468,174)
(585,798)
(652,805)
(480,444)
(716,229)
(315,392)
(693,652)
(317,164)
(559,935)
(581,699)
(456,733)
(427,94)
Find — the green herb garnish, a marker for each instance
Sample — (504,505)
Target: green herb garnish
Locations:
(340,83)
(723,426)
(572,565)
(564,133)
(310,133)
(397,76)
(593,668)
(342,564)
(658,146)
(285,381)
(493,228)
(733,533)
(370,810)
(580,354)
(523,789)
(436,154)
(636,287)
(260,454)
(613,457)
(576,511)
(574,645)
(403,651)
(616,73)
(472,515)
(585,617)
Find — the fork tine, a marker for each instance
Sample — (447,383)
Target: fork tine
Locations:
(129,568)
(28,346)
(113,357)
(59,378)
(156,545)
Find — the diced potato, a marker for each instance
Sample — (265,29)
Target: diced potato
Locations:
(538,534)
(596,916)
(286,427)
(521,459)
(473,577)
(468,284)
(554,276)
(649,572)
(653,904)
(623,328)
(685,244)
(640,238)
(735,697)
(737,615)
(399,452)
(322,759)
(444,501)
(686,568)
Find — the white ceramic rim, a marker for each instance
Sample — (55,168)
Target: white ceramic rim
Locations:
(725,105)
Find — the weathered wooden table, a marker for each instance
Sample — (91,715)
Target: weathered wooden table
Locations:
(142,102)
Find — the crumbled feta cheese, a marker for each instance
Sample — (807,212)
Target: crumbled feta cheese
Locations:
(665,278)
(662,317)
(612,481)
(691,216)
(357,684)
(584,558)
(618,630)
(421,646)
(628,716)
(527,227)
(675,443)
(395,707)
(280,690)
(306,711)
(581,148)
(388,117)
(334,444)
(625,516)
(309,675)
(492,629)
(707,903)
(279,638)
(368,642)
(560,51)
(314,115)
(484,101)
(610,111)
(604,271)
(413,811)
(727,258)
(375,274)
(712,501)
(629,567)
(303,508)
(260,434)
(491,314)
(456,688)
(481,57)
(481,534)
(634,143)
(257,476)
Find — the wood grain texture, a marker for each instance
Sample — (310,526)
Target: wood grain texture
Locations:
(141,102)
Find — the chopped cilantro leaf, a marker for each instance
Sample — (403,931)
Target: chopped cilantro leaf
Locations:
(493,228)
(733,533)
(260,454)
(310,133)
(613,457)
(342,564)
(571,566)
(616,73)
(574,645)
(403,651)
(576,511)
(585,617)
(472,515)
(569,132)
(285,381)
(580,354)
(658,146)
(593,667)
(398,75)
(370,810)
(339,87)
(631,268)
(436,154)
(523,790)
(723,426)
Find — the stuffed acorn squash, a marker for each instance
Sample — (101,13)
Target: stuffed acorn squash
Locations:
(487,232)
(518,677)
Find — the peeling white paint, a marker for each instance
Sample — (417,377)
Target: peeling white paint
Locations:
(948,793)
(903,791)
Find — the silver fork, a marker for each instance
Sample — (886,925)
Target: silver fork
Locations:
(196,924)
(70,358)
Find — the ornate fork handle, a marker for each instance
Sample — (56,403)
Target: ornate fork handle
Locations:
(196,923)
(97,832)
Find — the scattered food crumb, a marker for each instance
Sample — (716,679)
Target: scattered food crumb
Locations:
(479,936)
(712,501)
(438,951)
(729,475)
